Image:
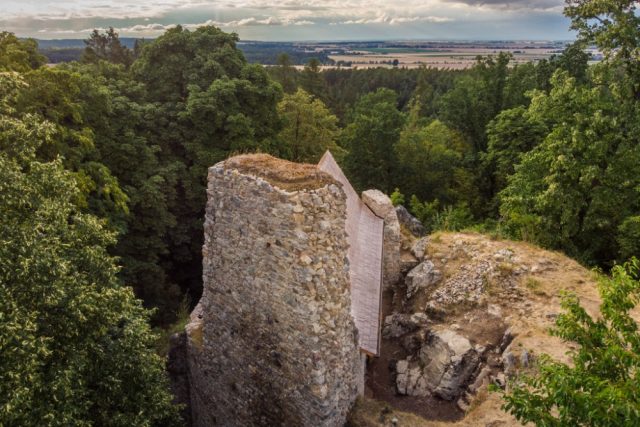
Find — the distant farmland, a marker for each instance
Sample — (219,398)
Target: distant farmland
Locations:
(453,58)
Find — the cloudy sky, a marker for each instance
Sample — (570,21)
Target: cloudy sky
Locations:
(294,19)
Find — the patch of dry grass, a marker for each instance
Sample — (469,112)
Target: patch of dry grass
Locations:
(283,174)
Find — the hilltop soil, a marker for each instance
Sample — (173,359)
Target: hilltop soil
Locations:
(471,311)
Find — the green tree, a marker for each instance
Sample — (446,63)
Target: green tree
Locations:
(476,98)
(19,55)
(613,26)
(311,79)
(600,387)
(309,128)
(150,185)
(430,163)
(628,238)
(511,134)
(209,103)
(106,47)
(285,73)
(374,129)
(76,346)
(574,189)
(55,94)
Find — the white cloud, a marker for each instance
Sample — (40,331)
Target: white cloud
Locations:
(286,18)
(394,20)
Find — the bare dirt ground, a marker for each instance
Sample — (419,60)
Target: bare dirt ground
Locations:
(524,286)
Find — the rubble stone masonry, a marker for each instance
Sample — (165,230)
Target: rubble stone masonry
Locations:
(272,341)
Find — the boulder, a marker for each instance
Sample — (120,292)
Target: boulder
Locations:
(399,324)
(463,360)
(381,206)
(446,362)
(378,202)
(409,222)
(407,262)
(422,277)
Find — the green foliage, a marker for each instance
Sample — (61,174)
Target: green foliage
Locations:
(76,346)
(435,218)
(431,163)
(311,80)
(574,189)
(374,129)
(19,55)
(628,238)
(285,73)
(599,387)
(613,26)
(476,98)
(397,198)
(309,128)
(208,103)
(106,47)
(511,134)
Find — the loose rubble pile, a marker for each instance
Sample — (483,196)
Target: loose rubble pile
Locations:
(455,338)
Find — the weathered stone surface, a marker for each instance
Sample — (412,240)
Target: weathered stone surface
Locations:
(381,206)
(411,223)
(421,277)
(407,262)
(463,360)
(446,362)
(419,248)
(272,340)
(398,324)
(378,202)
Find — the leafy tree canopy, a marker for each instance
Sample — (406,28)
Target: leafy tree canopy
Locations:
(77,349)
(309,128)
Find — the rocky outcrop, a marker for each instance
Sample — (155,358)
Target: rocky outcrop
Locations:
(272,340)
(381,206)
(443,365)
(399,324)
(423,276)
(409,222)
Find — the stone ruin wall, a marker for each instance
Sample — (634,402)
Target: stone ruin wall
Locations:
(272,341)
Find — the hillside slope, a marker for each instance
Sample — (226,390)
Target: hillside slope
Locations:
(470,311)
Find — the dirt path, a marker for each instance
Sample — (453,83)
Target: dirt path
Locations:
(380,384)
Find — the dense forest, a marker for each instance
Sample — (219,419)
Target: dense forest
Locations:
(267,53)
(103,166)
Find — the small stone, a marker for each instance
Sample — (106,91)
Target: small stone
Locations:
(494,310)
(524,359)
(462,405)
(419,248)
(500,380)
(509,362)
(305,259)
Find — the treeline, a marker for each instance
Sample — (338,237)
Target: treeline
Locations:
(266,53)
(104,169)
(545,152)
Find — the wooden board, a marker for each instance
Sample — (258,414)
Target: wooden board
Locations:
(364,232)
